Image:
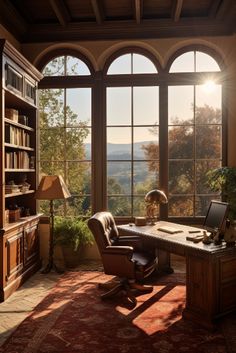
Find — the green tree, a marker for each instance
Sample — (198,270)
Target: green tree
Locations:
(62,149)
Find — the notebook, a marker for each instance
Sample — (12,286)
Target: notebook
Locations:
(169,229)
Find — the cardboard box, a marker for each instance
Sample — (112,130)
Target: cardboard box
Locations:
(11,114)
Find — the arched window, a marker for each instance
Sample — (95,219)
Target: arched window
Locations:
(194,61)
(131,63)
(165,128)
(65,101)
(132,124)
(195,131)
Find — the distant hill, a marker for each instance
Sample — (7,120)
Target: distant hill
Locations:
(121,150)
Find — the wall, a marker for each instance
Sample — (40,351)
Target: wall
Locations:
(6,35)
(162,49)
(97,52)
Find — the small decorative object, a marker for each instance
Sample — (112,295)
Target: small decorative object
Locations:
(11,187)
(24,184)
(206,238)
(217,237)
(140,221)
(14,213)
(230,233)
(153,198)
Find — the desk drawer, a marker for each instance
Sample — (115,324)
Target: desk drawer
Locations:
(227,269)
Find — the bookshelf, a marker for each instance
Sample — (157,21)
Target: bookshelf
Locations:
(19,236)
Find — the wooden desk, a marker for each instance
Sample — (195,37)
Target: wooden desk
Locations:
(210,270)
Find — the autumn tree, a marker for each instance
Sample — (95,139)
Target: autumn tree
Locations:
(189,142)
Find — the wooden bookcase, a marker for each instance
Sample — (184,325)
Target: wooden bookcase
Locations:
(19,237)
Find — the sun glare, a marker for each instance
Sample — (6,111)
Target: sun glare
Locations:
(209,86)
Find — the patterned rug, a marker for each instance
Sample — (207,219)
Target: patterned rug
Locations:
(73,318)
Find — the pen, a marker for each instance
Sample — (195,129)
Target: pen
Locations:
(194,231)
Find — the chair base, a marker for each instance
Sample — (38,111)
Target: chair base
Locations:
(125,285)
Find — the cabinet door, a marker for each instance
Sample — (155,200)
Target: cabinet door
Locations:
(14,80)
(31,245)
(14,259)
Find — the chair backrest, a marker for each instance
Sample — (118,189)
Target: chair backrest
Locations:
(103,227)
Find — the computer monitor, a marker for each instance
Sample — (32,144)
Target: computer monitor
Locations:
(216,215)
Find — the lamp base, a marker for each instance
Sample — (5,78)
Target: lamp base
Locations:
(51,266)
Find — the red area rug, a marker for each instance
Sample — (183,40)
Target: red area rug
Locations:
(72,318)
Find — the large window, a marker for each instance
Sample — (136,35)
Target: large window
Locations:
(65,132)
(164,132)
(136,126)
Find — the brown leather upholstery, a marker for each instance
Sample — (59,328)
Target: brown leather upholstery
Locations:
(122,256)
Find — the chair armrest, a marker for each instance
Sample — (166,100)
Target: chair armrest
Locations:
(119,250)
(131,240)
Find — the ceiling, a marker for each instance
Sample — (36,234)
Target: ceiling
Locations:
(68,20)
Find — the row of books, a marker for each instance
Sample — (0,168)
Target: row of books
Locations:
(17,160)
(16,136)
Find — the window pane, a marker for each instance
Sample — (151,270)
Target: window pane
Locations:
(180,206)
(142,65)
(145,177)
(119,206)
(205,62)
(79,177)
(77,206)
(208,104)
(181,142)
(119,143)
(208,141)
(75,66)
(77,143)
(202,204)
(55,67)
(78,101)
(202,167)
(180,104)
(119,106)
(143,138)
(119,178)
(121,65)
(181,177)
(52,144)
(52,167)
(139,207)
(146,105)
(183,63)
(51,106)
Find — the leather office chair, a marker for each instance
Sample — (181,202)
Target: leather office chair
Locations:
(122,256)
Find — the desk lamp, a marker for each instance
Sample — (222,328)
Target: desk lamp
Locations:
(51,187)
(153,198)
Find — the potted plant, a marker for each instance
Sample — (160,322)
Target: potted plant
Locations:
(223,179)
(72,234)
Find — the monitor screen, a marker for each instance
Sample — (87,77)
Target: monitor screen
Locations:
(216,214)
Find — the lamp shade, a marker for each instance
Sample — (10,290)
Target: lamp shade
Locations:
(156,196)
(52,187)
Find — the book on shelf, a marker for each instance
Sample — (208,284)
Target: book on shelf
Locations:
(16,136)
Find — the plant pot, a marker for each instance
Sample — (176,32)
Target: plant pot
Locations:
(71,257)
